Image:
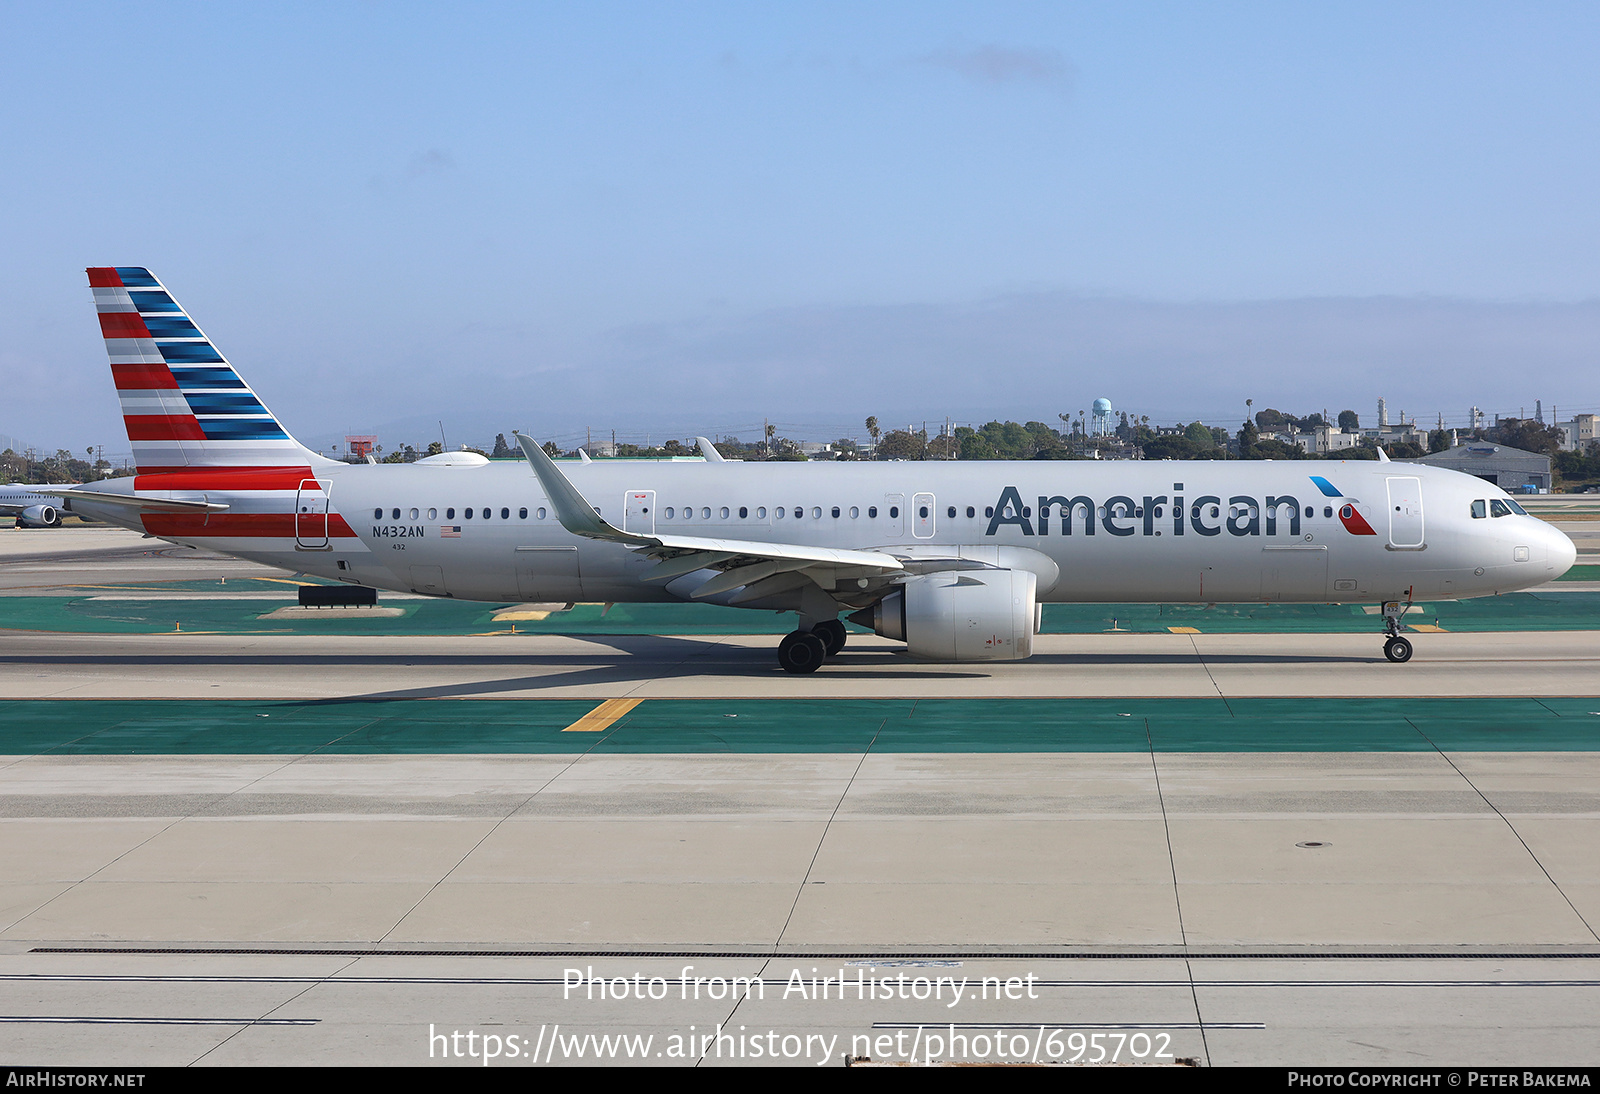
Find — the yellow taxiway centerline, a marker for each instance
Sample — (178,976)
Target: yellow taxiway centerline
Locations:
(602,716)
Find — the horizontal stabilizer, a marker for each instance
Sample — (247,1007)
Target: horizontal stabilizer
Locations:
(142,504)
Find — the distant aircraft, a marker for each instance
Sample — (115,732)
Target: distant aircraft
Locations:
(32,507)
(952,558)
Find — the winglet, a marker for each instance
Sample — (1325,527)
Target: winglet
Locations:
(572,509)
(1383,457)
(709,451)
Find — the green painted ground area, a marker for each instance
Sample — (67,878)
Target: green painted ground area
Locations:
(1548,609)
(1581,573)
(534,726)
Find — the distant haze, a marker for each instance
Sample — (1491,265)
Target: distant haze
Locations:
(673,220)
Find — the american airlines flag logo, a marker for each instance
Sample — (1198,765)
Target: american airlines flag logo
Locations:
(449,531)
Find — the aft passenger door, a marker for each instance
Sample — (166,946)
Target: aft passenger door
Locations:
(922,516)
(311,516)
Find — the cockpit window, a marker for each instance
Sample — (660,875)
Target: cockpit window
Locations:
(1480,509)
(1499,508)
(1517,509)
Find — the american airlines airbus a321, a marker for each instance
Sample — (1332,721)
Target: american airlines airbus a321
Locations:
(953,559)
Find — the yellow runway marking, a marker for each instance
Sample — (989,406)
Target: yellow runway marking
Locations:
(1184,630)
(283,580)
(1426,628)
(602,716)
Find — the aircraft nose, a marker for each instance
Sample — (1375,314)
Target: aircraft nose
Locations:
(1562,552)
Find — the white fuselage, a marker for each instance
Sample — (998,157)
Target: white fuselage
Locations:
(1138,531)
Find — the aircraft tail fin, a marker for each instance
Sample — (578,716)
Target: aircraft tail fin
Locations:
(182,402)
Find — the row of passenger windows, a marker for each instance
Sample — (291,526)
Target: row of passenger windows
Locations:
(485,513)
(687,512)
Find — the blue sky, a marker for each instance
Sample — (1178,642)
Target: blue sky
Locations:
(680,219)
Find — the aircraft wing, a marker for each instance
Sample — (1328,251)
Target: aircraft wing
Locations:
(742,562)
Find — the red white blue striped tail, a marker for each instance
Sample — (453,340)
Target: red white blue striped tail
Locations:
(184,406)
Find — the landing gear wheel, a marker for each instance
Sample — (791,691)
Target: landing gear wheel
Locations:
(832,633)
(1398,650)
(801,651)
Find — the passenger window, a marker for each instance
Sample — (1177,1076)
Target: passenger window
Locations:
(778,512)
(894,511)
(522,514)
(951,511)
(449,514)
(396,515)
(798,512)
(743,512)
(467,514)
(1498,508)
(872,512)
(377,514)
(724,512)
(505,514)
(761,512)
(816,512)
(541,512)
(855,512)
(1480,509)
(971,512)
(433,514)
(923,512)
(1327,510)
(1310,512)
(705,512)
(835,512)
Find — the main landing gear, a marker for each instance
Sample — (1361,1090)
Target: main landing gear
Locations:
(1396,649)
(804,651)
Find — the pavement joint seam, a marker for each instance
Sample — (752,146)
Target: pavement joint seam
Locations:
(568,766)
(1513,829)
(1177,896)
(800,890)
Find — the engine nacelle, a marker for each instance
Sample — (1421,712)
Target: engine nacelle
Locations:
(960,615)
(39,516)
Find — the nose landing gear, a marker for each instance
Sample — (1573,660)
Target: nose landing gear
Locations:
(1396,649)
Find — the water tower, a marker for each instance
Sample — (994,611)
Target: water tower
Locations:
(1102,417)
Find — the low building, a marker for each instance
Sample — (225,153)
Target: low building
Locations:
(1404,433)
(1579,432)
(1511,469)
(1326,439)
